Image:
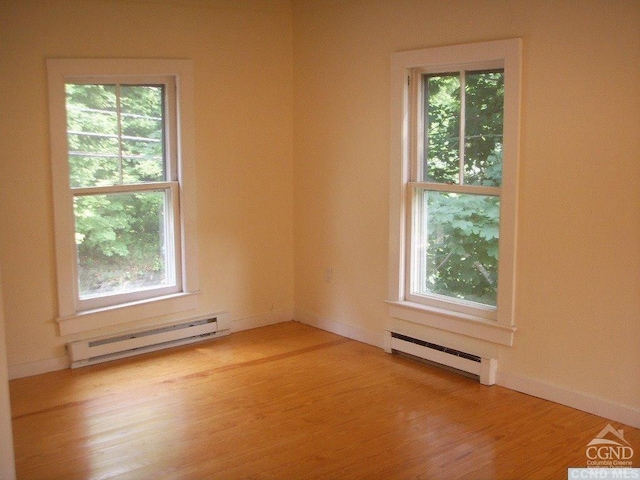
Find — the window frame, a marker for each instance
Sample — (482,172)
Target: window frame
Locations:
(496,325)
(76,315)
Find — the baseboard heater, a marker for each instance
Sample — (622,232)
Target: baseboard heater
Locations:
(89,352)
(483,368)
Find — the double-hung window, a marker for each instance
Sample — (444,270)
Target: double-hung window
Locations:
(454,178)
(122,190)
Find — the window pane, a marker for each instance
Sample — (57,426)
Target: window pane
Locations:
(115,134)
(442,128)
(95,170)
(456,246)
(122,243)
(142,133)
(92,135)
(484,106)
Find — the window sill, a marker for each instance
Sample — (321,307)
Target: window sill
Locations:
(128,312)
(460,323)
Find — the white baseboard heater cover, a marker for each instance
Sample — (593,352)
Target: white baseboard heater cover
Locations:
(484,368)
(89,352)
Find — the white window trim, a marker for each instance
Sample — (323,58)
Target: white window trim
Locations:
(70,318)
(508,53)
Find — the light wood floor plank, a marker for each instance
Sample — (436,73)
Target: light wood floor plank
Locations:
(288,402)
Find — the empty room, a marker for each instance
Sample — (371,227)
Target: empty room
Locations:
(297,239)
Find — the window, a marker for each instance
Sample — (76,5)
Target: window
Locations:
(123,193)
(454,178)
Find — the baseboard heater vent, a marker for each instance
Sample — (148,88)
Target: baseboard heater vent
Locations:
(484,368)
(89,352)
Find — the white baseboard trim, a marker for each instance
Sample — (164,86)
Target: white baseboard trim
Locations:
(60,363)
(263,320)
(30,369)
(530,386)
(342,329)
(580,401)
(553,393)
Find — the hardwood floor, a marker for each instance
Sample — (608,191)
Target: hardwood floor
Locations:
(288,402)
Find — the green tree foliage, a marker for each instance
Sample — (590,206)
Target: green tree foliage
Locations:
(442,132)
(462,252)
(115,137)
(463,229)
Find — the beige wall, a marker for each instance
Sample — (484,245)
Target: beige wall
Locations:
(578,281)
(241,54)
(312,86)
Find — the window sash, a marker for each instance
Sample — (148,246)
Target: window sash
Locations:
(170,185)
(452,188)
(416,152)
(414,257)
(173,257)
(464,129)
(169,114)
